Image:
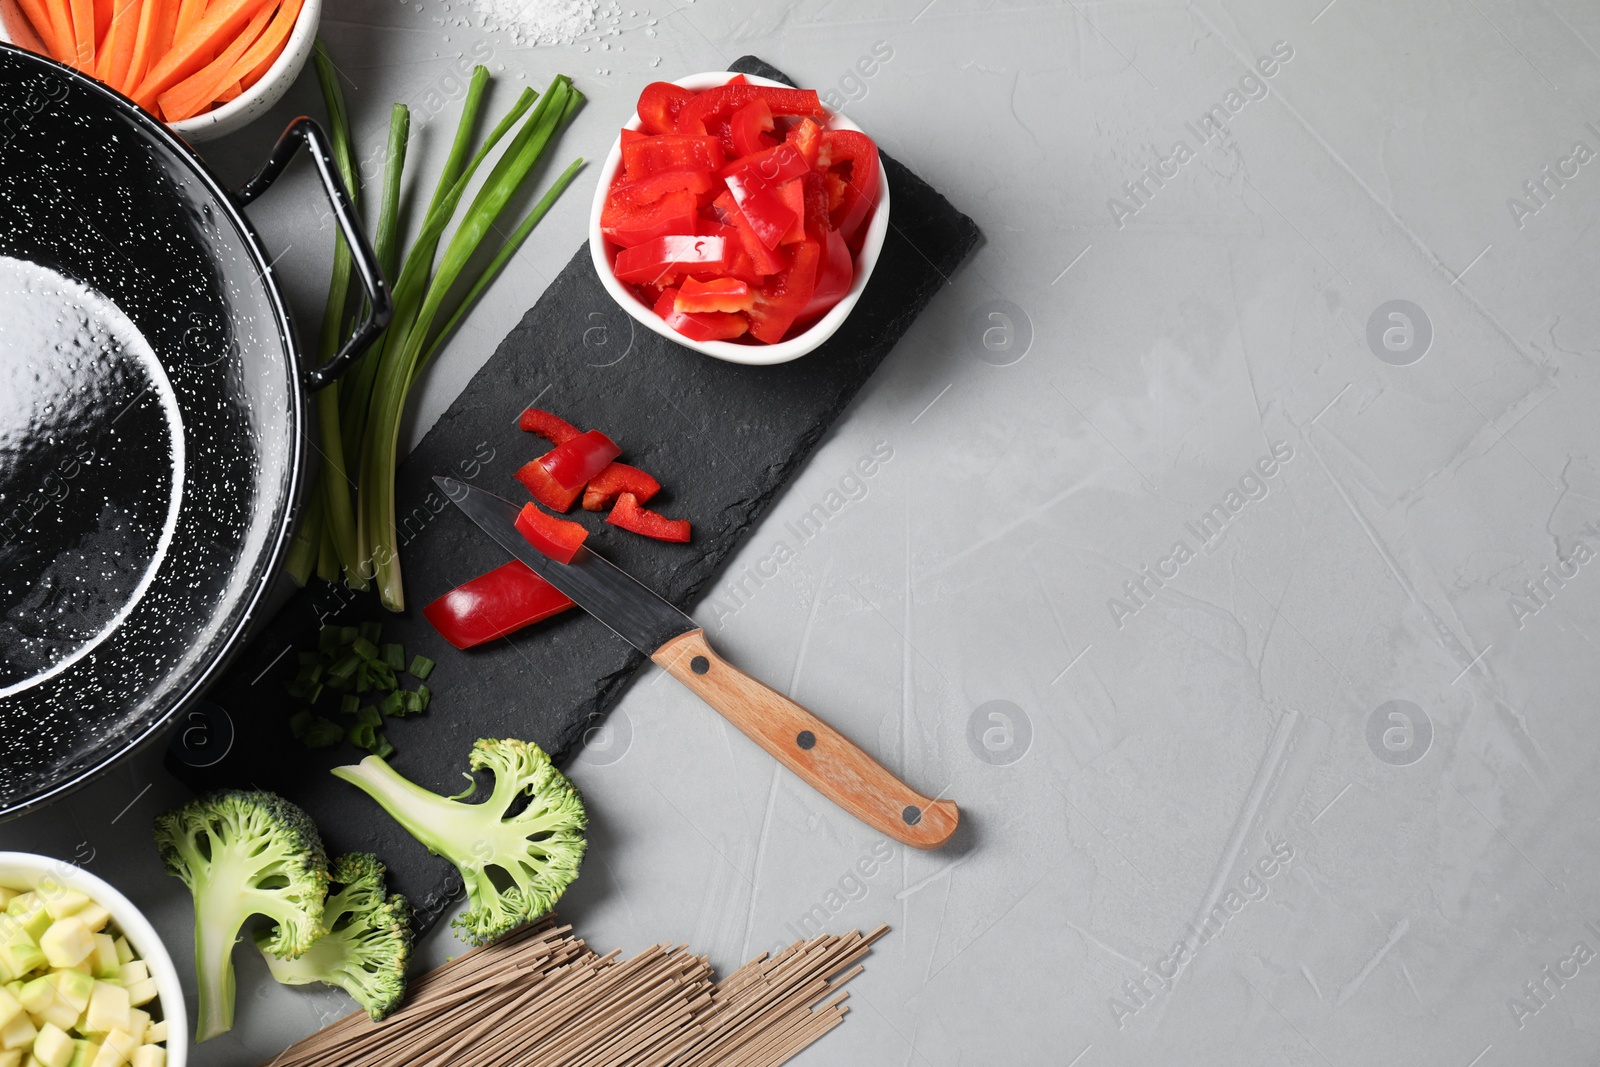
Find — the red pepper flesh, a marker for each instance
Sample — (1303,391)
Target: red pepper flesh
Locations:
(552,428)
(559,539)
(762,258)
(807,137)
(495,604)
(634,224)
(544,488)
(762,208)
(702,326)
(674,254)
(774,166)
(650,155)
(659,105)
(784,297)
(850,161)
(618,478)
(835,274)
(572,464)
(714,104)
(749,128)
(630,516)
(718,294)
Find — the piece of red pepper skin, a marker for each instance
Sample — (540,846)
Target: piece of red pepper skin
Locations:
(644,156)
(552,428)
(630,516)
(653,261)
(659,104)
(544,488)
(574,462)
(784,297)
(763,259)
(855,194)
(604,487)
(559,539)
(763,208)
(629,224)
(750,127)
(700,326)
(718,294)
(716,104)
(495,604)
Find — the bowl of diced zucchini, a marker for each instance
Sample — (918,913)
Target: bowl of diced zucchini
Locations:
(84,980)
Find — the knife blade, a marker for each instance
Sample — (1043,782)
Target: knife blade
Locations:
(819,754)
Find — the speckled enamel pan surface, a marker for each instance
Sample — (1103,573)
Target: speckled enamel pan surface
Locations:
(150,427)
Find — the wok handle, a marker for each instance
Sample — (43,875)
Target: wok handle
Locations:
(379,305)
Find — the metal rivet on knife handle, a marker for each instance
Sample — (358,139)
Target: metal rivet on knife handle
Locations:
(809,747)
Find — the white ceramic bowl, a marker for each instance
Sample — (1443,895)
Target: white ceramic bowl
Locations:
(24,870)
(256,100)
(733,352)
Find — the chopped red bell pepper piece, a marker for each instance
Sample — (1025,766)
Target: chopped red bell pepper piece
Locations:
(634,224)
(659,105)
(552,428)
(695,117)
(762,258)
(630,516)
(782,298)
(701,326)
(618,478)
(769,217)
(631,135)
(559,539)
(495,604)
(814,189)
(573,463)
(849,160)
(718,294)
(544,488)
(749,128)
(807,137)
(651,155)
(773,166)
(793,196)
(635,194)
(674,254)
(835,274)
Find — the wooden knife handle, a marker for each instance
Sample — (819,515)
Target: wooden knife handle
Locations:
(809,747)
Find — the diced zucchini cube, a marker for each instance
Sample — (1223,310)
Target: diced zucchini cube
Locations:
(95,917)
(133,971)
(10,1007)
(67,942)
(108,1008)
(149,1056)
(20,956)
(18,1033)
(75,988)
(103,959)
(60,901)
(84,1052)
(7,894)
(11,1058)
(52,1048)
(117,1049)
(22,903)
(142,993)
(124,951)
(138,1025)
(154,1034)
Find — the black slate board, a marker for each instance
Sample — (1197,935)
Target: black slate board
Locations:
(723,439)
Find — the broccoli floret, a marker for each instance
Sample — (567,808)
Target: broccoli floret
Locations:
(241,854)
(368,943)
(517,851)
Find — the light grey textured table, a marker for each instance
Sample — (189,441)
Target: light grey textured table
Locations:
(1247,612)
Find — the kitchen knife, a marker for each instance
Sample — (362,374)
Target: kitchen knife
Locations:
(805,744)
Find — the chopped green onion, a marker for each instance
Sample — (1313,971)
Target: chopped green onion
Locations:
(421,667)
(324,733)
(395,657)
(300,722)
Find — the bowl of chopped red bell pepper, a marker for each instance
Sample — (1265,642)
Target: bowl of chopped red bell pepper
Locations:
(737,216)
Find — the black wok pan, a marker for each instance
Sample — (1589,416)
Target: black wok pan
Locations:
(152,420)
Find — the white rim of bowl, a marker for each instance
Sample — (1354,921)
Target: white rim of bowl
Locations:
(132,922)
(750,355)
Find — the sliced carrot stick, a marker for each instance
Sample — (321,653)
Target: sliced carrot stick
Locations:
(187,55)
(189,13)
(116,51)
(268,46)
(20,27)
(195,93)
(102,23)
(42,19)
(83,35)
(150,18)
(260,71)
(230,93)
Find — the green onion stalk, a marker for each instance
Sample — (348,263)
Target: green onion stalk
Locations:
(349,525)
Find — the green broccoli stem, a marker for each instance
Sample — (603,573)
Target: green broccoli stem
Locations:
(216,928)
(427,816)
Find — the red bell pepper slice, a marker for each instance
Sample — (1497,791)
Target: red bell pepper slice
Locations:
(659,105)
(630,516)
(702,326)
(651,155)
(495,604)
(634,224)
(762,258)
(552,428)
(749,127)
(807,137)
(559,539)
(618,478)
(626,135)
(768,216)
(674,254)
(850,162)
(695,117)
(638,193)
(783,298)
(718,294)
(572,464)
(835,274)
(773,166)
(793,196)
(544,488)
